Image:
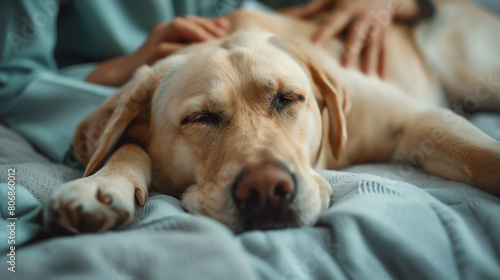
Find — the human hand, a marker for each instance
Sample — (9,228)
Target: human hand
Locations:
(365,23)
(164,39)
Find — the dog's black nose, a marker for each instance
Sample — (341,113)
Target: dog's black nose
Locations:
(264,191)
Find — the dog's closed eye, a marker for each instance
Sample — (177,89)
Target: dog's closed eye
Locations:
(285,99)
(203,117)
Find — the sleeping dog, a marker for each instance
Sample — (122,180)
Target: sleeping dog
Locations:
(237,127)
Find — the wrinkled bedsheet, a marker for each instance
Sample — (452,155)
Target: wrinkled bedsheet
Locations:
(385,222)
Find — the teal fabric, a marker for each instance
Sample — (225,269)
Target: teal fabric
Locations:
(49,47)
(50,107)
(377,228)
(408,225)
(26,210)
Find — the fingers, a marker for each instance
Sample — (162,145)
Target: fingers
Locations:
(335,24)
(365,37)
(160,51)
(355,41)
(312,8)
(382,64)
(166,38)
(166,49)
(214,27)
(185,29)
(371,57)
(158,32)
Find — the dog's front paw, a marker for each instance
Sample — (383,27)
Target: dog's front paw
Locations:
(92,204)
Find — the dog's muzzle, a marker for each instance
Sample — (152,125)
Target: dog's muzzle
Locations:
(263,194)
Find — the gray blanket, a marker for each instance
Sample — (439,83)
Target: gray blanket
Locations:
(377,228)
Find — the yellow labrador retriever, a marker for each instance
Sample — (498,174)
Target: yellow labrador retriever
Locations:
(236,127)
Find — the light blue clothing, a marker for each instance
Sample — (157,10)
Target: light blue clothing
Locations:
(49,47)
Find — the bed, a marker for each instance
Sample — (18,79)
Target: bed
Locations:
(386,221)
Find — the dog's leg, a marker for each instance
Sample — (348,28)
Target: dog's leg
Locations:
(104,200)
(446,144)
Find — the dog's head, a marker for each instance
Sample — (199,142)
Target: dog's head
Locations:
(234,127)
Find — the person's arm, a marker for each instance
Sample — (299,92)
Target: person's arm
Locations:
(37,99)
(164,39)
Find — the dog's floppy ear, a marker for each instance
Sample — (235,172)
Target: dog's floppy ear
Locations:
(330,92)
(337,102)
(97,135)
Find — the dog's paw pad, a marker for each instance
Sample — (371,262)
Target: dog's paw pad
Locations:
(92,222)
(104,198)
(92,204)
